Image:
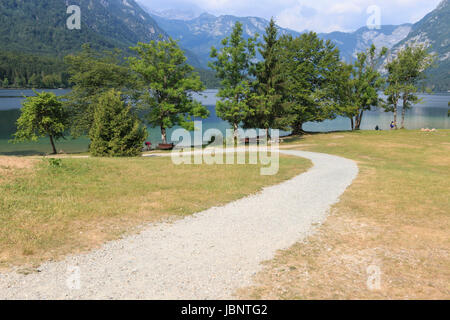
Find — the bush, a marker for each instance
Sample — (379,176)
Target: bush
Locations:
(116,131)
(54,163)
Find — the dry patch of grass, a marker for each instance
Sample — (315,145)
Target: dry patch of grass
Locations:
(396,217)
(15,163)
(47,211)
(8,165)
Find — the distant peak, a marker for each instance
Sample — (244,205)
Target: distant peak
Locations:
(207,15)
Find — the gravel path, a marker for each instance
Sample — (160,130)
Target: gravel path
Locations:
(205,256)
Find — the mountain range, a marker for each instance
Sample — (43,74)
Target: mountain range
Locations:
(201,33)
(39,28)
(351,43)
(433,31)
(206,30)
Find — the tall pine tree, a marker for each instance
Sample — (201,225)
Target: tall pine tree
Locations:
(268,89)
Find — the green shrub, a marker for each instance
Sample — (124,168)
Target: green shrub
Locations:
(54,163)
(116,131)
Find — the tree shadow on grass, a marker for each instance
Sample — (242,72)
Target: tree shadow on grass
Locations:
(298,138)
(22,153)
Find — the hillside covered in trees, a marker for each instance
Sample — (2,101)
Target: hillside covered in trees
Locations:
(34,37)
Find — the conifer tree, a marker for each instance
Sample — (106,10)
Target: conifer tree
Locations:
(116,131)
(267,100)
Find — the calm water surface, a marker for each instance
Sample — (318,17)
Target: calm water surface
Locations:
(431,113)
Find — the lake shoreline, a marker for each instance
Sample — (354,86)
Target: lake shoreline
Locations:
(431,114)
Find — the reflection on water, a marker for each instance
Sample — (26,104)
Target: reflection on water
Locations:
(416,118)
(431,113)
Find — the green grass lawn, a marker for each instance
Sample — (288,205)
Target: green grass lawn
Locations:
(396,216)
(46,212)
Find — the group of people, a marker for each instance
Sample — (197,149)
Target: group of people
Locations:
(392,126)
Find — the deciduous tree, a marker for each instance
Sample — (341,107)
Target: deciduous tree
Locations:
(93,74)
(367,82)
(235,66)
(165,86)
(42,115)
(310,67)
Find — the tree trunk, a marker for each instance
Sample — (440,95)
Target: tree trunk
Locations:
(235,133)
(395,117)
(163,135)
(352,124)
(268,134)
(405,101)
(53,144)
(297,129)
(359,120)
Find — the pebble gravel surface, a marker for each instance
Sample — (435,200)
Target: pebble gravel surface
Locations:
(205,256)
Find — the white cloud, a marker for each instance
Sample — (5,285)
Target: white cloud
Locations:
(317,15)
(345,7)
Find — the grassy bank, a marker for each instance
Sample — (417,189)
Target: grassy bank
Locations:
(396,217)
(46,212)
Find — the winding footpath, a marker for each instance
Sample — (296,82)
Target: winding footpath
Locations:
(205,256)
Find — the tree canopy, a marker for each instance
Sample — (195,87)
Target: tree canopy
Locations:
(92,74)
(42,115)
(367,82)
(116,131)
(234,65)
(267,106)
(164,87)
(310,66)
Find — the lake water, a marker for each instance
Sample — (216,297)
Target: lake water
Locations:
(431,113)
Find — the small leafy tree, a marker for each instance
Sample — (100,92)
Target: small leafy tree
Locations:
(42,115)
(165,86)
(367,82)
(404,74)
(234,66)
(344,94)
(414,61)
(393,90)
(116,131)
(269,88)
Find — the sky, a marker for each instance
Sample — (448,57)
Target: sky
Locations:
(315,15)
